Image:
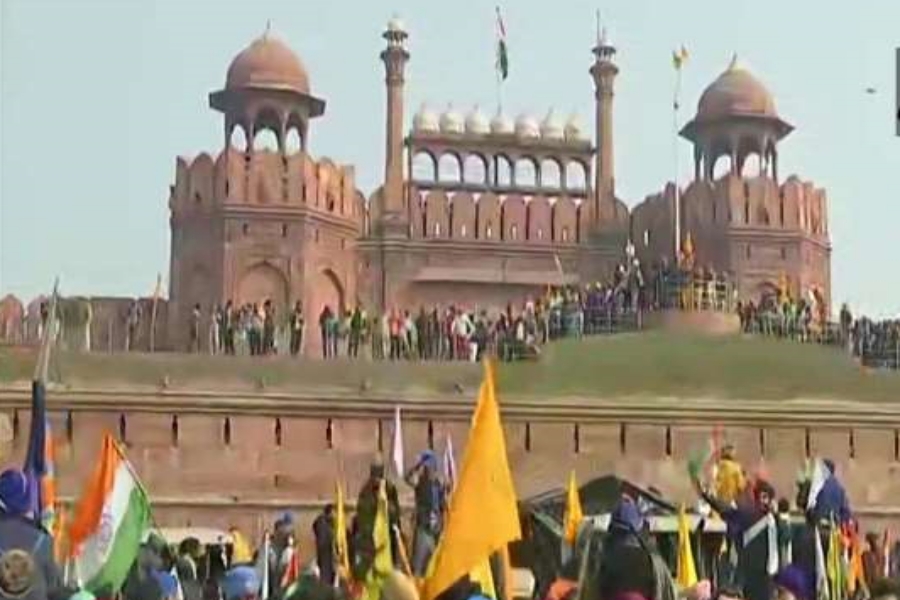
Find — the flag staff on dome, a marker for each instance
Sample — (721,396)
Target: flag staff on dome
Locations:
(679,58)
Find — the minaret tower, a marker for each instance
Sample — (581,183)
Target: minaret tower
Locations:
(604,72)
(394,57)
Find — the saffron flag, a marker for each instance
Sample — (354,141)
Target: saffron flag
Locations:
(484,491)
(109,524)
(383,564)
(241,553)
(397,445)
(341,546)
(686,575)
(574,514)
(502,53)
(679,57)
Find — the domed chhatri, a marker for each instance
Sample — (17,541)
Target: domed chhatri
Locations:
(502,124)
(552,127)
(573,131)
(268,63)
(527,126)
(477,123)
(736,93)
(426,120)
(452,121)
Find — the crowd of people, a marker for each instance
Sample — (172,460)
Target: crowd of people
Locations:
(433,333)
(874,343)
(767,554)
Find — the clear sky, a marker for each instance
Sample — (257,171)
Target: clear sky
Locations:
(100,96)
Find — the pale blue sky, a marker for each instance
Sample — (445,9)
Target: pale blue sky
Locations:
(99,96)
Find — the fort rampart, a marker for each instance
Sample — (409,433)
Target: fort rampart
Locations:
(217,459)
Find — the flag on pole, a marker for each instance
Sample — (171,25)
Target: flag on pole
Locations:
(449,463)
(574,514)
(341,546)
(383,563)
(397,445)
(686,575)
(502,54)
(241,553)
(485,487)
(109,524)
(39,460)
(679,57)
(262,566)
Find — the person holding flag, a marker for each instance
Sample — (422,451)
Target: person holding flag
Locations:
(28,569)
(430,508)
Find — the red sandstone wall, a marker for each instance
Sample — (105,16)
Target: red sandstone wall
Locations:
(208,477)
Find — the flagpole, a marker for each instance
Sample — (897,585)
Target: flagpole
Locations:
(677,200)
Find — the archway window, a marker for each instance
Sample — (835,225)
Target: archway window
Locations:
(238,138)
(423,167)
(503,170)
(293,143)
(526,173)
(752,165)
(266,140)
(576,176)
(550,174)
(475,170)
(449,169)
(721,166)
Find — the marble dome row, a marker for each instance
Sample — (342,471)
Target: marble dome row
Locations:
(475,122)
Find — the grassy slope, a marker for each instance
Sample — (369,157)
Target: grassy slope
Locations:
(652,364)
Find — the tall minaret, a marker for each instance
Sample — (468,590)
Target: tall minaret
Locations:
(604,72)
(394,57)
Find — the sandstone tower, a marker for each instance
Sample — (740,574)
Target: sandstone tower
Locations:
(256,224)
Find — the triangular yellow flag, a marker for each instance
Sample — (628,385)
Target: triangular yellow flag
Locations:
(484,494)
(686,576)
(574,514)
(340,533)
(383,564)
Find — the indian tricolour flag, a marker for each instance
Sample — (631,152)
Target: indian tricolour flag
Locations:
(110,522)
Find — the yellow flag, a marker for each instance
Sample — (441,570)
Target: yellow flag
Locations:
(687,572)
(383,565)
(484,494)
(574,514)
(242,553)
(679,57)
(340,532)
(483,576)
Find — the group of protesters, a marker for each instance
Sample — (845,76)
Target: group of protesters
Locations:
(452,333)
(873,343)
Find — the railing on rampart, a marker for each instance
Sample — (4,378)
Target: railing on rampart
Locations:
(688,291)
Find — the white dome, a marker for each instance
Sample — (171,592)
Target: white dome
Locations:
(426,120)
(573,129)
(552,127)
(502,124)
(477,123)
(452,121)
(527,126)
(395,25)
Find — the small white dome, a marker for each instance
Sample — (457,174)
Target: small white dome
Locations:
(426,120)
(527,126)
(395,25)
(552,127)
(477,123)
(573,129)
(452,121)
(502,124)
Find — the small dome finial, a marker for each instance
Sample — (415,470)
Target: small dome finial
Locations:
(268,29)
(734,61)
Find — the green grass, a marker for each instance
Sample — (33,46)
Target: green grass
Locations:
(647,364)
